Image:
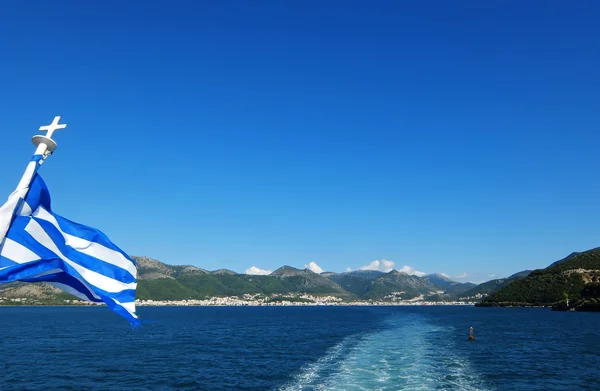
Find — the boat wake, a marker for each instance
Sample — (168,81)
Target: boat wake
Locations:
(408,354)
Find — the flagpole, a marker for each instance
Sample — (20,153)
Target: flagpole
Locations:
(44,144)
(44,147)
(84,263)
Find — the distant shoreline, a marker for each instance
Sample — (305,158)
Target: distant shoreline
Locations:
(289,299)
(276,304)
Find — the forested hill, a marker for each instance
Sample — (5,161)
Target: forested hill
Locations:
(160,281)
(573,280)
(573,277)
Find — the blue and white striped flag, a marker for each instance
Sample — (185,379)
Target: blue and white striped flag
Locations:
(37,245)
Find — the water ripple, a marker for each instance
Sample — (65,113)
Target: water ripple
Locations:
(327,348)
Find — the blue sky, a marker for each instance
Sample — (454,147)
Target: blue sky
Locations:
(455,137)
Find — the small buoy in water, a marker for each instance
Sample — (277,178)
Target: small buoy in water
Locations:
(471,334)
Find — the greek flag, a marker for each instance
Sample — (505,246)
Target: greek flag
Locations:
(37,245)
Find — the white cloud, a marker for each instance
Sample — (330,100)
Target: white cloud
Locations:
(387,266)
(256,271)
(371,266)
(348,269)
(383,266)
(411,270)
(492,275)
(462,276)
(444,275)
(314,267)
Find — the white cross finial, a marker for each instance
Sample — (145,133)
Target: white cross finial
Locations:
(53,126)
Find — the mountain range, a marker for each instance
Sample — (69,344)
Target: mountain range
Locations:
(572,283)
(160,281)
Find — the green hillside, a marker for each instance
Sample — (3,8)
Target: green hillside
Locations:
(376,285)
(486,288)
(160,282)
(573,278)
(459,288)
(306,281)
(440,280)
(397,283)
(569,277)
(585,260)
(356,282)
(492,286)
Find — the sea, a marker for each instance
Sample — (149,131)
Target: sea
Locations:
(300,348)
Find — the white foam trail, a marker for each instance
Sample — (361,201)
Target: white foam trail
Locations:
(410,355)
(311,373)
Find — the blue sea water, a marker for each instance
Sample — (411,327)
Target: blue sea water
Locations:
(299,348)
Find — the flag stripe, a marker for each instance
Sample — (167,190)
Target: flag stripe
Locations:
(23,209)
(5,262)
(90,234)
(16,252)
(8,210)
(94,278)
(71,290)
(22,271)
(45,273)
(129,306)
(84,292)
(37,245)
(93,249)
(84,260)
